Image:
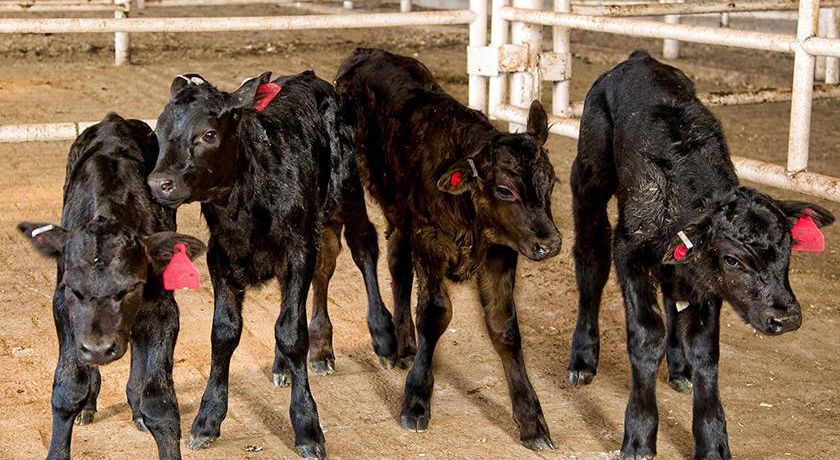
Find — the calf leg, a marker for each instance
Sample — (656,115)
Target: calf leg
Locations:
(227,330)
(593,182)
(679,370)
(495,284)
(71,385)
(154,335)
(321,354)
(402,279)
(434,312)
(362,239)
(702,337)
(646,347)
(88,413)
(291,335)
(134,387)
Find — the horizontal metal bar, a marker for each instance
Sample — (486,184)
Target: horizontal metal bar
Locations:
(47,132)
(662,9)
(776,176)
(651,29)
(564,126)
(230,24)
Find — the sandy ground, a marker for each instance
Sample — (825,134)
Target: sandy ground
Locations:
(780,394)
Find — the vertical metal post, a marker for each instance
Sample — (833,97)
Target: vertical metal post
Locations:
(560,91)
(478,37)
(526,86)
(405,6)
(121,40)
(828,29)
(671,48)
(499,32)
(347,4)
(724,20)
(803,80)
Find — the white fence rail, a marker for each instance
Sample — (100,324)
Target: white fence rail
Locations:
(506,71)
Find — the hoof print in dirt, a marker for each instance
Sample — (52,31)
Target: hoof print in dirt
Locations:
(324,367)
(312,451)
(141,425)
(200,442)
(415,423)
(581,378)
(85,417)
(539,443)
(281,380)
(682,385)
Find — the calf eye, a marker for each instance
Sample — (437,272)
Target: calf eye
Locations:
(731,262)
(504,193)
(209,137)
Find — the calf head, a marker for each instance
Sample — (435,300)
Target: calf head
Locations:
(742,248)
(105,270)
(198,134)
(510,181)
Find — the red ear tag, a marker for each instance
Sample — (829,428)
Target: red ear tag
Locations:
(455,179)
(265,94)
(180,273)
(807,237)
(680,252)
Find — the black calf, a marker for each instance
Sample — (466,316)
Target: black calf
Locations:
(461,198)
(683,223)
(275,182)
(111,249)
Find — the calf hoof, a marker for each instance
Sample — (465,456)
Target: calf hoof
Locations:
(281,380)
(141,425)
(323,367)
(539,443)
(415,423)
(681,384)
(581,378)
(85,417)
(406,362)
(386,361)
(200,442)
(312,451)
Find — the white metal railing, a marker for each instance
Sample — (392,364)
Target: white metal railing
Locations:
(506,71)
(522,59)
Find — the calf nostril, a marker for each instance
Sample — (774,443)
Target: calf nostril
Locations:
(167,186)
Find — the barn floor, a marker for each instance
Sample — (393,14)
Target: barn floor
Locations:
(780,394)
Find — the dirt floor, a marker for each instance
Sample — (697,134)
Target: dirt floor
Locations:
(780,394)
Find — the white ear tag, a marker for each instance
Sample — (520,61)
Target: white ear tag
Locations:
(472,165)
(682,304)
(687,242)
(43,229)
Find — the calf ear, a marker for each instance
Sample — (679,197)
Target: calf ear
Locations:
(459,178)
(48,239)
(182,81)
(246,95)
(796,209)
(538,122)
(160,247)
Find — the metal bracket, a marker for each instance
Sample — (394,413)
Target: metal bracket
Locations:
(553,67)
(490,61)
